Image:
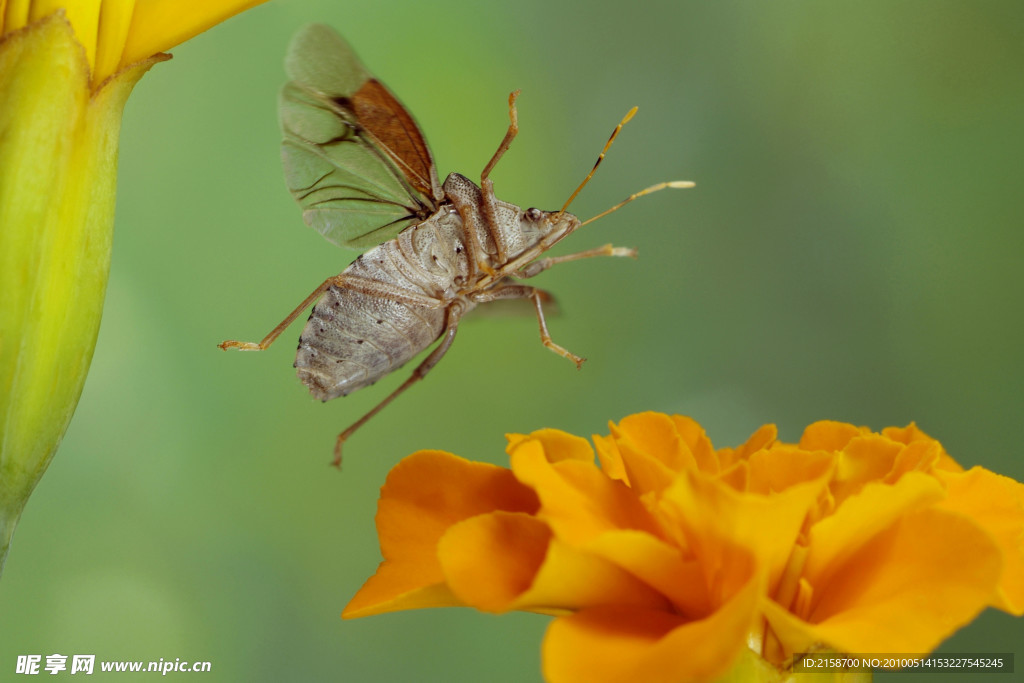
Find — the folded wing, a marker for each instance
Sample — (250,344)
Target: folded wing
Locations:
(354,158)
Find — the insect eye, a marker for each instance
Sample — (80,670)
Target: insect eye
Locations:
(534,215)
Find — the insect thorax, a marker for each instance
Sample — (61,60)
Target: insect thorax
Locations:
(517,230)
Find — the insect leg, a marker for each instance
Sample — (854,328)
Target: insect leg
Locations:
(539,296)
(276,332)
(489,204)
(513,129)
(471,239)
(490,201)
(543,264)
(451,326)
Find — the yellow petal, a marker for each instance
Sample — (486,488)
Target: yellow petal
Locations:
(159,25)
(424,495)
(618,644)
(15,15)
(83,15)
(996,503)
(114,24)
(504,561)
(903,590)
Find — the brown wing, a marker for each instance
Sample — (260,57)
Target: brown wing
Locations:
(353,157)
(381,115)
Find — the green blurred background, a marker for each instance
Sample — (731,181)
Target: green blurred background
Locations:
(853,251)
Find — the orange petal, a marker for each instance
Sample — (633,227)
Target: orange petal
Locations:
(697,440)
(996,503)
(920,456)
(578,501)
(764,437)
(397,587)
(159,25)
(866,458)
(504,561)
(655,435)
(645,472)
(863,516)
(610,458)
(912,434)
(424,495)
(491,559)
(652,451)
(735,475)
(906,435)
(782,466)
(724,527)
(661,566)
(904,590)
(827,435)
(612,644)
(558,445)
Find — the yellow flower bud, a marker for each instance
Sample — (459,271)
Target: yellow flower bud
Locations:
(64,77)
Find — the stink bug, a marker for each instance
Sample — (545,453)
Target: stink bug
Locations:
(359,167)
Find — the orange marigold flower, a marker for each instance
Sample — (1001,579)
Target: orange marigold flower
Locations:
(669,559)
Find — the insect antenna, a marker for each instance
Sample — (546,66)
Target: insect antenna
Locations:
(600,158)
(674,184)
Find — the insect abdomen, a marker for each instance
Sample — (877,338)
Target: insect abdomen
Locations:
(352,339)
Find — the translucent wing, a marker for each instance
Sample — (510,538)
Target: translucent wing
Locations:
(354,159)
